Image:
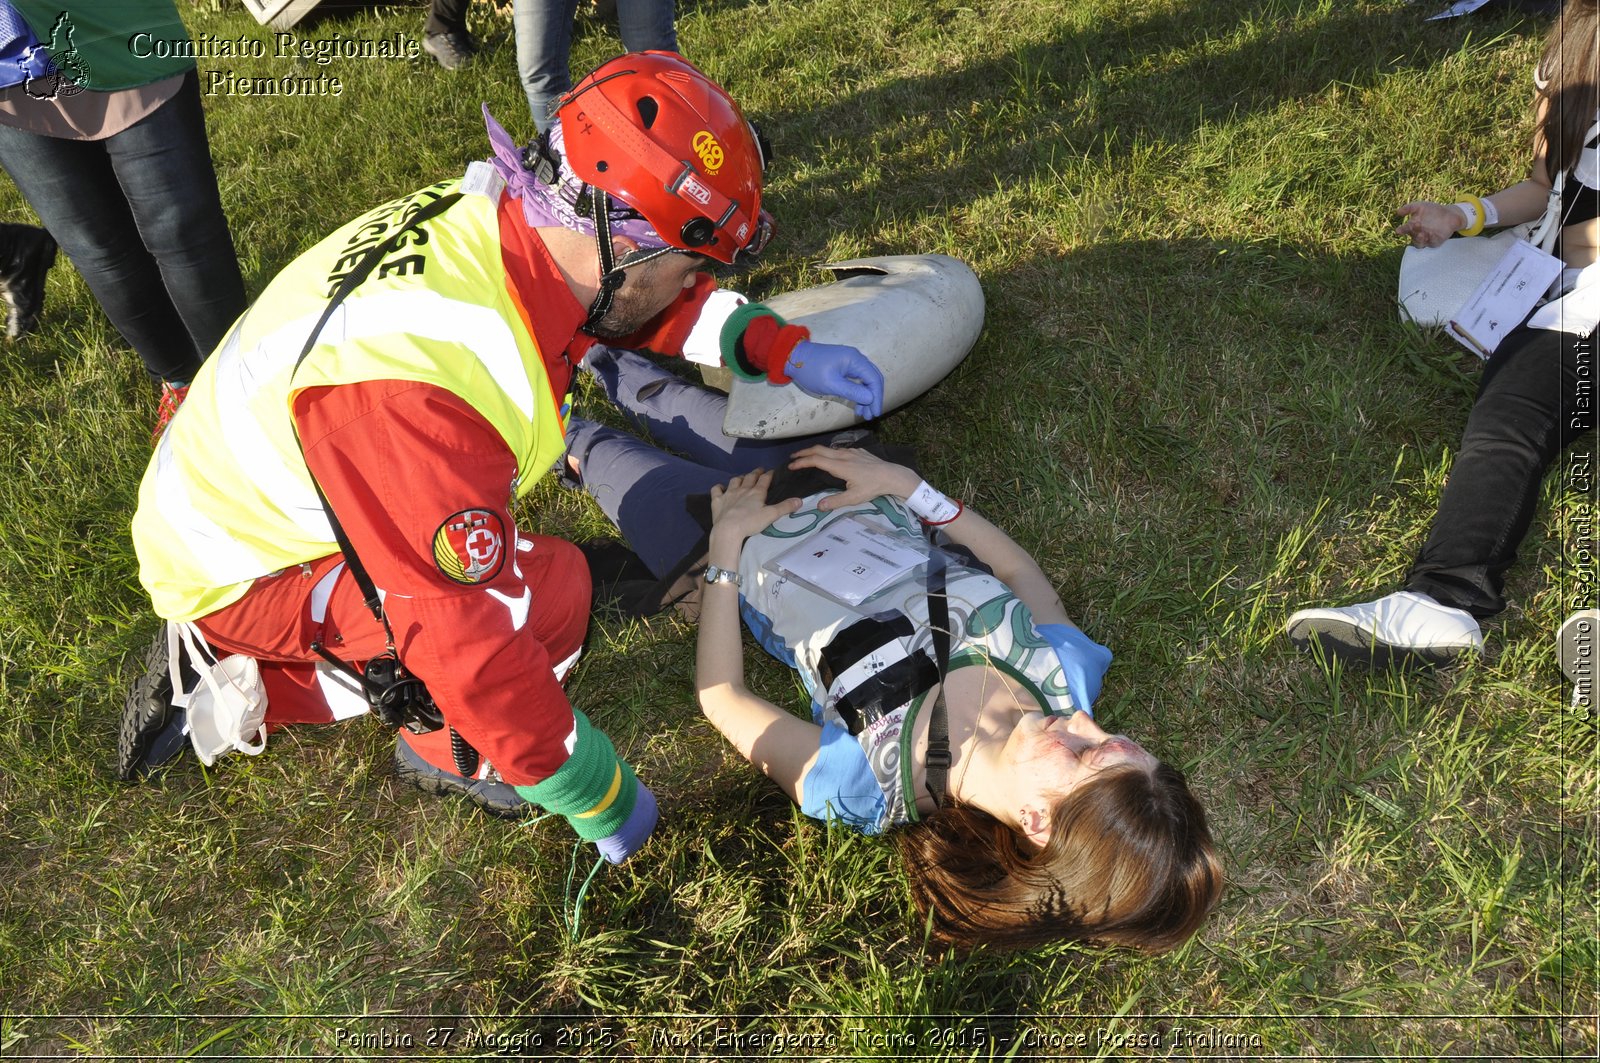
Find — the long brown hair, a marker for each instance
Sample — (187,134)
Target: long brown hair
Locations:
(1571,83)
(1129,862)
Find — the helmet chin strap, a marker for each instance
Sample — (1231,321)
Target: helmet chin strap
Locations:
(612,269)
(611,275)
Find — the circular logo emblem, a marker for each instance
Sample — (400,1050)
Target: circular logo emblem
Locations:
(705,145)
(470,546)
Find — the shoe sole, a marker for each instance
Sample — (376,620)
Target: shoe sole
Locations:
(1338,639)
(429,782)
(1572,641)
(146,712)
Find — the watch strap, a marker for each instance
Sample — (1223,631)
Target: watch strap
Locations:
(718,574)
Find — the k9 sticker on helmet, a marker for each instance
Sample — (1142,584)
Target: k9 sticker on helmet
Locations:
(470,546)
(711,155)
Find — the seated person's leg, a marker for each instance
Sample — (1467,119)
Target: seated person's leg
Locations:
(1523,416)
(1518,426)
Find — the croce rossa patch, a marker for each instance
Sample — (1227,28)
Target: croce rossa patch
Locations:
(470,546)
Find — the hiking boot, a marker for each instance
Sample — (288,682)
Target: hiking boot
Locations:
(26,254)
(172,396)
(1578,653)
(496,798)
(153,730)
(453,49)
(1404,630)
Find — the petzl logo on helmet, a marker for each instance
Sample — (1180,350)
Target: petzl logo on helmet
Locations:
(469,547)
(711,155)
(695,191)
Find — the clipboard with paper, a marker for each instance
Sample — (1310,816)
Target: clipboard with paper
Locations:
(1504,298)
(849,560)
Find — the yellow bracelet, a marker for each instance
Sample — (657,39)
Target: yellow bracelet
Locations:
(1477,222)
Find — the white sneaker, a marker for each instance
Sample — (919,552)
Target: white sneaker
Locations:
(1578,650)
(1405,630)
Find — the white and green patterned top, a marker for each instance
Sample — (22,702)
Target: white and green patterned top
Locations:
(868,666)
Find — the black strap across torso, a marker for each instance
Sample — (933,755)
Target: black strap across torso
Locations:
(937,761)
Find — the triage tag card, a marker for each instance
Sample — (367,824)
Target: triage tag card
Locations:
(1505,297)
(850,560)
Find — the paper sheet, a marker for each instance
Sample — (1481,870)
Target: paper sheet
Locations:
(1504,298)
(849,560)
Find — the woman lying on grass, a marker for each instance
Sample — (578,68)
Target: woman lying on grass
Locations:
(1047,828)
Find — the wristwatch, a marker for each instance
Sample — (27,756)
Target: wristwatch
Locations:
(714,574)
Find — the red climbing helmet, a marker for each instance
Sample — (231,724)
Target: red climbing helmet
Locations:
(657,134)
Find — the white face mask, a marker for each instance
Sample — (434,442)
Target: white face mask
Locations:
(226,711)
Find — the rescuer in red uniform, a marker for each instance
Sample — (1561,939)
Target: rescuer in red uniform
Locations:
(327,521)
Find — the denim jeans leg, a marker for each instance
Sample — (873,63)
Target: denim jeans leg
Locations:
(643,490)
(680,415)
(163,164)
(71,186)
(544,46)
(1524,416)
(647,25)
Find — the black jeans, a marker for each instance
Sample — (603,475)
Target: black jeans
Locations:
(139,215)
(1536,399)
(446,16)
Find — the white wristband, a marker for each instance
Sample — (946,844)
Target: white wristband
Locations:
(931,506)
(1491,213)
(1471,213)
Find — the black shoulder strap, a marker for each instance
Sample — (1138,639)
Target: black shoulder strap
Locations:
(937,761)
(352,280)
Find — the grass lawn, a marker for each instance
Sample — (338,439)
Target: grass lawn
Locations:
(1193,400)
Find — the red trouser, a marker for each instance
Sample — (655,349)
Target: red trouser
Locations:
(282,614)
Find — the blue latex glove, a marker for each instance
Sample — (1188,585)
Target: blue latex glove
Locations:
(1083,662)
(833,370)
(635,832)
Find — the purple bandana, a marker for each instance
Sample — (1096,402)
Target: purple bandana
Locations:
(555,205)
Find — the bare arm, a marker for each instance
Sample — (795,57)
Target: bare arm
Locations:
(1011,564)
(1430,224)
(782,745)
